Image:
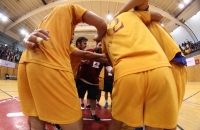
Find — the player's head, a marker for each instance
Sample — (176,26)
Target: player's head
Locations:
(98,48)
(81,43)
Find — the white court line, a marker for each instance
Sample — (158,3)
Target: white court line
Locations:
(15,114)
(16,99)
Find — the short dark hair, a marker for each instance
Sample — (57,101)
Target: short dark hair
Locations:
(80,39)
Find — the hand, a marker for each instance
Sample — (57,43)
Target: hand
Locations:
(31,40)
(85,61)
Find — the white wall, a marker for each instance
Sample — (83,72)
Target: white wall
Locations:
(194,24)
(180,34)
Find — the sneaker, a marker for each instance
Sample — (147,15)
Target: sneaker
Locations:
(58,127)
(88,107)
(96,118)
(82,107)
(98,106)
(106,105)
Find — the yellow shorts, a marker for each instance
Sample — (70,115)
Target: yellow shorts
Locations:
(180,75)
(148,98)
(48,93)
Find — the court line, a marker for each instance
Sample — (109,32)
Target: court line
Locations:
(191,96)
(192,103)
(180,127)
(6,93)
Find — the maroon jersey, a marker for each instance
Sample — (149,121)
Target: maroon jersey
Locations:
(90,72)
(108,76)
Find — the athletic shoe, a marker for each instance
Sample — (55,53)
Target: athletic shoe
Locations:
(96,118)
(82,107)
(98,106)
(88,107)
(58,127)
(106,105)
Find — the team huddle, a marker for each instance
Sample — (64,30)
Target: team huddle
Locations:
(144,70)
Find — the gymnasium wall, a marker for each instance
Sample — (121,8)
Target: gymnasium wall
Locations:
(193,68)
(180,34)
(7,67)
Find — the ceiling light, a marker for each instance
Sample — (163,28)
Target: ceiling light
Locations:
(109,17)
(4,18)
(186,1)
(1,15)
(162,24)
(23,32)
(181,5)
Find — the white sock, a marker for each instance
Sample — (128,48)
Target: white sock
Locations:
(93,112)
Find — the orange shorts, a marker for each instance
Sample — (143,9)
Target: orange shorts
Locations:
(180,75)
(148,98)
(48,93)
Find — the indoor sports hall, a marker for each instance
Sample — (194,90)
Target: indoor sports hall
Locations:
(19,18)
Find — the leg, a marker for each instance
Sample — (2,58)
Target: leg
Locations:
(106,96)
(106,99)
(88,104)
(82,100)
(36,123)
(98,99)
(73,126)
(93,104)
(92,95)
(115,125)
(99,95)
(81,92)
(150,128)
(82,103)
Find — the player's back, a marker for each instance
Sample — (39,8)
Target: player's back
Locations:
(132,48)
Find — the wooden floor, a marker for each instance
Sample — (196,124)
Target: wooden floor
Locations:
(189,116)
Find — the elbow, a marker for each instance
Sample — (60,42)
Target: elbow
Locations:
(156,16)
(160,17)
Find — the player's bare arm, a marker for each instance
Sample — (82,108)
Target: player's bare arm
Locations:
(97,22)
(130,4)
(90,56)
(156,16)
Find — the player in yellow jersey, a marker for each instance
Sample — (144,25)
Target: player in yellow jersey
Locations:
(142,73)
(170,48)
(46,80)
(173,53)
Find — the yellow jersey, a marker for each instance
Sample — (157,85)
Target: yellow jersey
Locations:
(54,53)
(131,46)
